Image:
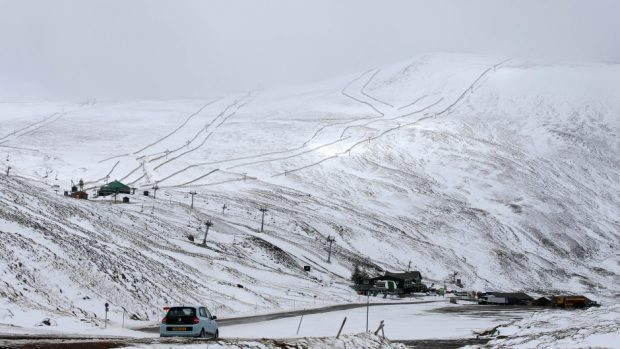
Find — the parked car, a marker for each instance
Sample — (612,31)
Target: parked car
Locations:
(189,321)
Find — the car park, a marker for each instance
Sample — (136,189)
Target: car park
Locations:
(188,321)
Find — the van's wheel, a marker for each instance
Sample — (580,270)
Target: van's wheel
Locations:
(203,334)
(216,335)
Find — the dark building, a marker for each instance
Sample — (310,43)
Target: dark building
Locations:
(506,298)
(406,282)
(112,188)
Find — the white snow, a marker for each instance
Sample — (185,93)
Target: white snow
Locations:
(505,171)
(591,328)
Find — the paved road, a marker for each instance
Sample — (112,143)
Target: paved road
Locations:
(274,316)
(77,342)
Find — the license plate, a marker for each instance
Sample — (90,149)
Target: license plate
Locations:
(180,329)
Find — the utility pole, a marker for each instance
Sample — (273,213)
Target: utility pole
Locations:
(367,307)
(208,224)
(330,239)
(409,267)
(262,221)
(155,188)
(223,209)
(192,193)
(8,169)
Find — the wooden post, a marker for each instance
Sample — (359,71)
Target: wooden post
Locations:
(380,328)
(341,326)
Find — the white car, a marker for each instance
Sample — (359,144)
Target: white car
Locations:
(189,321)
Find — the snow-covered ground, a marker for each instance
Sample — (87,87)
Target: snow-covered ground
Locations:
(412,321)
(360,341)
(592,328)
(505,171)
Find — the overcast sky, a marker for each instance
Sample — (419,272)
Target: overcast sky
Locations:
(168,49)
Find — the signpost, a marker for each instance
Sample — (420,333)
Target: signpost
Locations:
(107,308)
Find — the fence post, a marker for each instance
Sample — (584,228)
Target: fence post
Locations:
(380,328)
(341,327)
(300,320)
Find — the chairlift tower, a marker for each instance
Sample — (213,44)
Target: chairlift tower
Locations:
(262,220)
(208,224)
(330,239)
(192,193)
(155,188)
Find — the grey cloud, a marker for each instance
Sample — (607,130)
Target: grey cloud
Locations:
(170,49)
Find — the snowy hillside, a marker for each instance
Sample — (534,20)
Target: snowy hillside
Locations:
(504,170)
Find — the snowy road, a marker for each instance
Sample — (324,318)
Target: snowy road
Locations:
(423,324)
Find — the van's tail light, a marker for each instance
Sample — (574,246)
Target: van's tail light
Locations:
(164,320)
(196,320)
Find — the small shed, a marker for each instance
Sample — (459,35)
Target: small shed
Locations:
(114,187)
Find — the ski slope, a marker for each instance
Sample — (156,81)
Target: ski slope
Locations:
(503,170)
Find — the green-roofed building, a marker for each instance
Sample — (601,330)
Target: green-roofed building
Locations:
(112,188)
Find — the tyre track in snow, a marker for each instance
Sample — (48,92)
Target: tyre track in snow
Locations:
(290,156)
(363,90)
(201,130)
(189,182)
(185,152)
(132,172)
(166,153)
(344,92)
(469,89)
(16,133)
(238,103)
(412,103)
(102,178)
(179,127)
(331,143)
(393,118)
(319,130)
(37,125)
(113,157)
(322,128)
(273,153)
(349,127)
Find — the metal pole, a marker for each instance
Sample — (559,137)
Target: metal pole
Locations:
(262,221)
(155,187)
(367,308)
(192,193)
(208,224)
(331,239)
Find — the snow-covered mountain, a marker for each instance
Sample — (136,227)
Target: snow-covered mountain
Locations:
(503,170)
